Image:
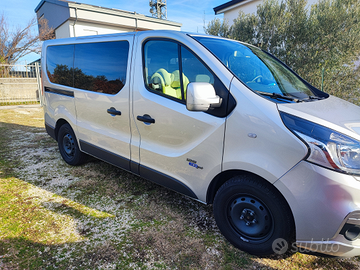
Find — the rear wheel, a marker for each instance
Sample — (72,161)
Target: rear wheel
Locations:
(253,216)
(68,146)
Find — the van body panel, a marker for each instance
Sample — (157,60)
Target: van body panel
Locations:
(320,199)
(105,155)
(57,107)
(96,125)
(178,138)
(146,130)
(264,146)
(99,128)
(55,104)
(175,144)
(333,112)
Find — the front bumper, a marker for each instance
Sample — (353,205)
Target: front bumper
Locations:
(325,204)
(336,247)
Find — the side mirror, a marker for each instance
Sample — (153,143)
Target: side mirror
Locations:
(201,96)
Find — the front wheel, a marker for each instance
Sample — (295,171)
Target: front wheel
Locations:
(253,216)
(68,146)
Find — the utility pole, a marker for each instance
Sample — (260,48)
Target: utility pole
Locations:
(158,9)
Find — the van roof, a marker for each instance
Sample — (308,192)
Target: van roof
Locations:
(156,32)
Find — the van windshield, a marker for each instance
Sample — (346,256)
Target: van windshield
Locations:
(258,70)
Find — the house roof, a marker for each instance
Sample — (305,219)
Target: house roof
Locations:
(79,12)
(36,61)
(228,5)
(56,2)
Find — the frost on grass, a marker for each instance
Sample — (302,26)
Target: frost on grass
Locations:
(113,224)
(93,225)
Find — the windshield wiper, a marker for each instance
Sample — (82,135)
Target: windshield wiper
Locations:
(314,97)
(278,96)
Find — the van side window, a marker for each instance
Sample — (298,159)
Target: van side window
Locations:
(194,70)
(162,69)
(59,64)
(99,67)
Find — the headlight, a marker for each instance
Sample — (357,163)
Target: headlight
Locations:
(327,147)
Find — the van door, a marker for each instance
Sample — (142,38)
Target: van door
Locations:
(179,149)
(102,70)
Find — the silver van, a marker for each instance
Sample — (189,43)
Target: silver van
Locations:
(219,121)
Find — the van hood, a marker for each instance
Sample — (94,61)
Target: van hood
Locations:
(332,112)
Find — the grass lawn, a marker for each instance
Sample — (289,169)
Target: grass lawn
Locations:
(95,216)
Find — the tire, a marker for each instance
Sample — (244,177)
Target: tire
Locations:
(68,146)
(253,216)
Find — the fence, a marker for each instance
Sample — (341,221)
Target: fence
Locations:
(20,83)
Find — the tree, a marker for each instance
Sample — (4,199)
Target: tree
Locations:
(321,44)
(218,28)
(17,43)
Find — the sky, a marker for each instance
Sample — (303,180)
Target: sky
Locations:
(191,13)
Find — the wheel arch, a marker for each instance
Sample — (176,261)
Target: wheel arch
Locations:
(225,176)
(252,215)
(219,180)
(58,125)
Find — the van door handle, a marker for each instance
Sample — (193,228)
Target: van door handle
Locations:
(113,111)
(146,118)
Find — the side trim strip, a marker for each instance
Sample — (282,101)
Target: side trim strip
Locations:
(60,91)
(138,169)
(105,155)
(166,181)
(134,167)
(50,130)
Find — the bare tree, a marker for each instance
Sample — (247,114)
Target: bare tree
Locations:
(19,42)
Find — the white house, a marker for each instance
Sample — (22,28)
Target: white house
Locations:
(231,9)
(71,19)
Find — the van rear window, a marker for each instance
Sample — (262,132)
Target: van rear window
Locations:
(59,64)
(98,67)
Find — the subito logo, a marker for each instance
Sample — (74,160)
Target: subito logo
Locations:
(280,246)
